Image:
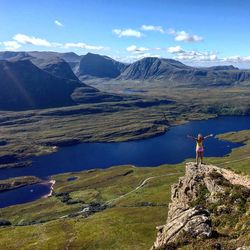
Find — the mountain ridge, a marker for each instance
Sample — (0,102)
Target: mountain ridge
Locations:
(99,66)
(25,86)
(170,71)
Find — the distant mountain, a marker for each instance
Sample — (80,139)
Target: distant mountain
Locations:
(25,86)
(223,67)
(14,55)
(99,66)
(68,56)
(92,66)
(71,58)
(56,66)
(152,68)
(51,62)
(175,72)
(44,83)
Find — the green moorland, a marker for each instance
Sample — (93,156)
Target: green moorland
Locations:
(28,133)
(17,182)
(129,222)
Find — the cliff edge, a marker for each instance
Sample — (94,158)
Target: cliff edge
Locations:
(202,203)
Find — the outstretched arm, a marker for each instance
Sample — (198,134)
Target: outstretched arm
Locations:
(211,135)
(191,136)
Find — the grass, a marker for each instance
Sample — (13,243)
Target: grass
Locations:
(28,133)
(118,227)
(17,182)
(238,160)
(131,222)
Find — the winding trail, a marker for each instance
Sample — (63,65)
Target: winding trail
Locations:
(124,195)
(137,188)
(227,162)
(231,176)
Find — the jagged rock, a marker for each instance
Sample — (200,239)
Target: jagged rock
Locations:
(187,214)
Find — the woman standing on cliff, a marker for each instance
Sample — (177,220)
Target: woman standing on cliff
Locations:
(199,146)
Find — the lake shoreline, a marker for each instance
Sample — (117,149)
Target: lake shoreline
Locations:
(50,183)
(18,182)
(156,139)
(122,153)
(27,162)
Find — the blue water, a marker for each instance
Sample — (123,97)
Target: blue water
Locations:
(172,147)
(72,178)
(23,194)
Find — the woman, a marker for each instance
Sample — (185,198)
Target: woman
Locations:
(199,146)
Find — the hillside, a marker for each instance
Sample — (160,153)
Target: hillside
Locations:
(152,67)
(52,84)
(25,86)
(171,72)
(206,204)
(68,56)
(176,73)
(138,200)
(45,82)
(55,66)
(43,56)
(99,66)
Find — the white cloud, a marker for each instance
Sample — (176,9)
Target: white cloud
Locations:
(236,59)
(83,46)
(58,45)
(175,49)
(20,39)
(152,28)
(127,33)
(171,31)
(58,23)
(192,55)
(183,36)
(147,55)
(197,56)
(11,45)
(135,49)
(134,57)
(24,39)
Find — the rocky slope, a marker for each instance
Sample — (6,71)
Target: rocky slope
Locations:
(177,73)
(201,201)
(26,86)
(55,66)
(68,57)
(45,82)
(172,72)
(94,65)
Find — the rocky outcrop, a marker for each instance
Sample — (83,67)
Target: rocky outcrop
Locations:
(188,216)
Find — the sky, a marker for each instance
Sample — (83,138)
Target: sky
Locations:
(201,33)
